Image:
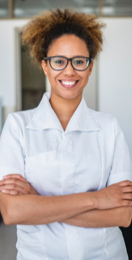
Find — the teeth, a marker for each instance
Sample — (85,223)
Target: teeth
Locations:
(68,83)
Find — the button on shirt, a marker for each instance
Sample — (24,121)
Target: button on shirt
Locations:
(88,156)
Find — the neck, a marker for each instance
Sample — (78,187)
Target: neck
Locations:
(64,108)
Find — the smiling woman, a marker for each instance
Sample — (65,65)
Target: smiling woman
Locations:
(77,159)
(67,81)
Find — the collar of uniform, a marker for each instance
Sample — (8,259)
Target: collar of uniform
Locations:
(45,118)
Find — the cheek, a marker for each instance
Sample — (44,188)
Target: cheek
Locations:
(50,75)
(53,75)
(85,78)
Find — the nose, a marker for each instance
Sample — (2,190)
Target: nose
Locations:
(69,70)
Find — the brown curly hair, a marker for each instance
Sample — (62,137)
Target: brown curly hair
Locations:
(44,28)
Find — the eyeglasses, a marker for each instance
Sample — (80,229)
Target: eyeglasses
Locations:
(60,63)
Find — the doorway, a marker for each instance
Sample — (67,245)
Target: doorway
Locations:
(30,79)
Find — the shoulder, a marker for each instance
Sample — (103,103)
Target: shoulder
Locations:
(106,122)
(16,122)
(21,117)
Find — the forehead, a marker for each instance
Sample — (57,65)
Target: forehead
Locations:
(69,46)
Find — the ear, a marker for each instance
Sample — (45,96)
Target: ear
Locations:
(44,67)
(90,67)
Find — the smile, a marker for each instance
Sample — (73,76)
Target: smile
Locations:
(68,84)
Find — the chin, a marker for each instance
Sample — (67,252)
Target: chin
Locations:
(70,97)
(68,94)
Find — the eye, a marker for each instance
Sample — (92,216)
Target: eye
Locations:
(78,61)
(59,61)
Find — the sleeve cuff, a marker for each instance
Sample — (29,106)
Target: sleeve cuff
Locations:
(4,170)
(119,177)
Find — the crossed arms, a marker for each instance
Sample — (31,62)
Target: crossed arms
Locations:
(21,204)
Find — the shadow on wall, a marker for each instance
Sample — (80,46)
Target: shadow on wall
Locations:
(1,114)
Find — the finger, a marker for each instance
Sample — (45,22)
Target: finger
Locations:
(125,183)
(3,187)
(127,196)
(11,192)
(1,183)
(126,203)
(17,176)
(127,189)
(12,187)
(13,181)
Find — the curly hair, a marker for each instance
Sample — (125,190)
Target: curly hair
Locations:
(46,27)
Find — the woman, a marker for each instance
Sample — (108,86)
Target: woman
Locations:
(74,157)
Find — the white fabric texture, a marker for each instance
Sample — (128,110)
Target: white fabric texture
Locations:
(89,155)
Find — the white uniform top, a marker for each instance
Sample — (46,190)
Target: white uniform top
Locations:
(89,155)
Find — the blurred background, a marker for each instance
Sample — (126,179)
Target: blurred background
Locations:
(23,84)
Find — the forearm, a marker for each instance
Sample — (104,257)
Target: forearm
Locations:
(35,209)
(102,218)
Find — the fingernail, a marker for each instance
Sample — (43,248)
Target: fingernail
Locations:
(4,177)
(3,190)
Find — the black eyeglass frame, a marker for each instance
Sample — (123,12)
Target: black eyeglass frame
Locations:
(68,59)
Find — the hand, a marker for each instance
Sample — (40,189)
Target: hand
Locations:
(15,184)
(115,195)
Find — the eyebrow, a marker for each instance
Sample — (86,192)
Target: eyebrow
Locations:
(67,57)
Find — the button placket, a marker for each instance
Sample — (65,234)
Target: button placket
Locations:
(67,174)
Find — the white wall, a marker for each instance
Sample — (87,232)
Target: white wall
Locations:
(115,73)
(7,62)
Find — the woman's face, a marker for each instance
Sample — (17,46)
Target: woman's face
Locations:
(68,46)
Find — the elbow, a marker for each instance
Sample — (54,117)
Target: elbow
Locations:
(127,217)
(6,220)
(128,223)
(6,212)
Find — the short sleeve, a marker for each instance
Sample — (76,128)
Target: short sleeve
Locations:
(11,150)
(121,168)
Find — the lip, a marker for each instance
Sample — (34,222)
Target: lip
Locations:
(68,86)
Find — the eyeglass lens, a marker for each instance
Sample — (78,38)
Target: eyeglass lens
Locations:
(59,63)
